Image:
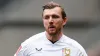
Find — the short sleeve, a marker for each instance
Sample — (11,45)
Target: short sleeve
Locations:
(81,53)
(21,51)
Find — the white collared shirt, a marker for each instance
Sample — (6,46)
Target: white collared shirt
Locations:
(39,45)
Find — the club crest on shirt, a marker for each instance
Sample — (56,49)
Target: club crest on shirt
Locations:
(66,51)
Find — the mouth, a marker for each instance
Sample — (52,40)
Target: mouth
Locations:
(51,28)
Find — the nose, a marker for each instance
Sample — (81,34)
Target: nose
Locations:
(51,20)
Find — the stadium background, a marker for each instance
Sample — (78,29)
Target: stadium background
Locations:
(20,19)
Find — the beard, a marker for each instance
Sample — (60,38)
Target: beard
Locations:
(52,30)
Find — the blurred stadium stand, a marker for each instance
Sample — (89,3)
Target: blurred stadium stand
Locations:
(20,19)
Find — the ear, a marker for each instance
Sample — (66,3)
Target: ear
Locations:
(65,20)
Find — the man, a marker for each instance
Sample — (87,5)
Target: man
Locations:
(51,42)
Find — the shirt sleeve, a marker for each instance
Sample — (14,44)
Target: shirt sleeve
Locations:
(82,53)
(21,51)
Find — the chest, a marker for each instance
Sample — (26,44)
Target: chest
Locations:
(52,51)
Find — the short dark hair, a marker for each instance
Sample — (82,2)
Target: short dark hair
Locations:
(51,5)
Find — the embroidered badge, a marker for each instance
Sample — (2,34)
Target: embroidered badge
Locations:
(66,52)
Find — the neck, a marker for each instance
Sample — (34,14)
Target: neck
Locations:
(54,38)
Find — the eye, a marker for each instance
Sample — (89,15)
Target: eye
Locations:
(46,17)
(55,16)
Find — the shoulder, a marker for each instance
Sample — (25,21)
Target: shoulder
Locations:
(33,38)
(26,46)
(73,43)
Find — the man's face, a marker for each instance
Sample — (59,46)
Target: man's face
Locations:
(53,21)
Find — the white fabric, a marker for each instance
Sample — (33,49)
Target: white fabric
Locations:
(39,45)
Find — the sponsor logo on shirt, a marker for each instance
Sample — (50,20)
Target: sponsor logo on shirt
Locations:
(38,49)
(66,51)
